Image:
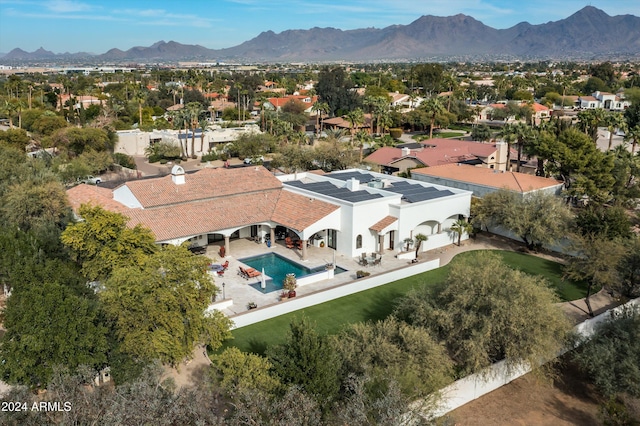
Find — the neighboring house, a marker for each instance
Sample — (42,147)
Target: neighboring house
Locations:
(276,104)
(83,100)
(218,106)
(350,211)
(482,181)
(135,142)
(540,112)
(342,123)
(435,152)
(398,99)
(604,100)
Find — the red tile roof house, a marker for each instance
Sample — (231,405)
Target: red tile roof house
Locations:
(353,211)
(276,104)
(227,202)
(435,152)
(482,181)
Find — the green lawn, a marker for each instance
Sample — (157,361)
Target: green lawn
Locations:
(378,303)
(444,135)
(552,271)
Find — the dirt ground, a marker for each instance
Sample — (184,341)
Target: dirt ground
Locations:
(569,400)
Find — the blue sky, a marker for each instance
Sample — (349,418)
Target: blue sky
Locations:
(96,26)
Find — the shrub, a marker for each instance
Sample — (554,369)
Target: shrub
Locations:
(395,133)
(210,156)
(125,160)
(164,161)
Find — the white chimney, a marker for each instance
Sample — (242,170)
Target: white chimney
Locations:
(353,185)
(405,151)
(177,175)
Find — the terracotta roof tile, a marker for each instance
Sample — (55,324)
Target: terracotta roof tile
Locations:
(200,217)
(383,223)
(204,184)
(298,212)
(95,195)
(437,152)
(232,198)
(520,182)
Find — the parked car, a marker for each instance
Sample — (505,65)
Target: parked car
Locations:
(250,160)
(91,180)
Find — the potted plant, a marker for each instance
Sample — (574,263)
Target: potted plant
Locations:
(290,283)
(408,243)
(362,274)
(284,295)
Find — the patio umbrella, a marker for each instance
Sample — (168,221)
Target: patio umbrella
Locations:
(263,283)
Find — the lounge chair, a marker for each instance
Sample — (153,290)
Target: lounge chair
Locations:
(288,242)
(225,265)
(243,273)
(299,244)
(252,273)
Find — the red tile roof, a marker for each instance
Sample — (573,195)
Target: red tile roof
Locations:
(204,184)
(95,195)
(298,212)
(520,182)
(209,201)
(383,223)
(436,152)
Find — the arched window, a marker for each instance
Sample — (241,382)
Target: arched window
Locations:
(359,241)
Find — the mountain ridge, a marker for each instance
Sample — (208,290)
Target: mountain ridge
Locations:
(587,32)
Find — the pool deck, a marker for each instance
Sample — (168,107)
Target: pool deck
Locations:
(238,289)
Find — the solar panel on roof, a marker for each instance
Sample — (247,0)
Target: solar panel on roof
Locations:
(414,198)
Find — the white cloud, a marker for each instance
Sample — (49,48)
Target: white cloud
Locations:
(67,6)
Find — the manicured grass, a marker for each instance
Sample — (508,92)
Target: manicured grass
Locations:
(330,317)
(440,135)
(552,271)
(377,303)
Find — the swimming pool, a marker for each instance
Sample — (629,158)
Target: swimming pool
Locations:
(277,267)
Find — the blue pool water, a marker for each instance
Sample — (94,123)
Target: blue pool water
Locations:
(277,267)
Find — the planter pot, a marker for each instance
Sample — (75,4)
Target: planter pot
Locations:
(292,293)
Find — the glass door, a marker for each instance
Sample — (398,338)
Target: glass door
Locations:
(331,238)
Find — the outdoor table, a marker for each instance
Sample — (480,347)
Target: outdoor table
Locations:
(216,267)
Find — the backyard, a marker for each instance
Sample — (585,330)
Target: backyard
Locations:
(378,303)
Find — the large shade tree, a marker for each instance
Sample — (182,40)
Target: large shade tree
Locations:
(487,311)
(158,306)
(102,242)
(522,216)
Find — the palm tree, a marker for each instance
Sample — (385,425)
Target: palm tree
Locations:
(419,239)
(321,108)
(140,97)
(362,137)
(8,109)
(204,126)
(633,135)
(614,121)
(193,111)
(523,134)
(508,135)
(432,107)
(460,227)
(355,118)
(589,120)
(178,119)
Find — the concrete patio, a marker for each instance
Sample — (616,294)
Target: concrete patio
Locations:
(239,290)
